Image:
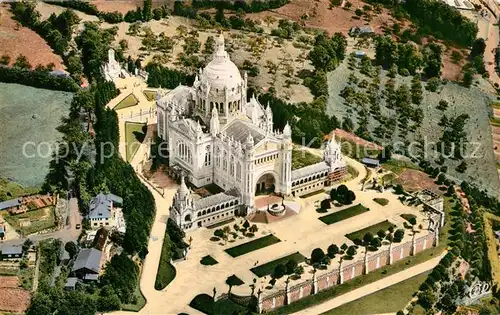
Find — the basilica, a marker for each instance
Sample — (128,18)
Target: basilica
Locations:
(216,136)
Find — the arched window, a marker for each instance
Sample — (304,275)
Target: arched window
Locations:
(184,152)
(231,167)
(217,157)
(204,212)
(208,156)
(224,162)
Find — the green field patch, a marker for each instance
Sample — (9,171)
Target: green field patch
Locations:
(268,268)
(128,101)
(32,221)
(344,214)
(408,216)
(166,272)
(133,138)
(252,245)
(149,94)
(388,300)
(398,166)
(208,261)
(384,225)
(381,201)
(205,304)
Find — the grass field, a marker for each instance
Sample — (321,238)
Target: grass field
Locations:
(149,94)
(39,220)
(166,272)
(132,131)
(381,201)
(208,261)
(407,216)
(128,101)
(205,304)
(301,158)
(388,300)
(252,245)
(11,190)
(343,214)
(268,268)
(141,301)
(397,166)
(384,225)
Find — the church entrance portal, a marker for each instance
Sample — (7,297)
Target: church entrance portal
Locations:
(265,185)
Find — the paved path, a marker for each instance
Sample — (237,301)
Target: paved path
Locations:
(373,287)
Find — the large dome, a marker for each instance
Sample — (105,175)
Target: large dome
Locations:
(221,72)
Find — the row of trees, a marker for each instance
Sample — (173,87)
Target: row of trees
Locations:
(246,6)
(406,58)
(41,78)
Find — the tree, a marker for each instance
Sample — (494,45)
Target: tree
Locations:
(467,79)
(328,52)
(317,255)
(5,60)
(246,225)
(291,265)
(426,299)
(462,167)
(22,62)
(433,84)
(325,204)
(219,233)
(478,48)
(147,13)
(253,228)
(398,235)
(367,238)
(279,271)
(381,234)
(351,251)
(71,248)
(332,250)
(209,47)
(376,243)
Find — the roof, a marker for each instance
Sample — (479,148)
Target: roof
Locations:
(12,250)
(370,161)
(238,130)
(89,258)
(213,200)
(10,203)
(309,170)
(100,205)
(91,276)
(71,282)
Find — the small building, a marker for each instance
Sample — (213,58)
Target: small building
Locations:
(71,284)
(370,162)
(365,30)
(87,265)
(12,252)
(102,212)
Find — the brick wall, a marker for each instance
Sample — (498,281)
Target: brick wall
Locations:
(350,270)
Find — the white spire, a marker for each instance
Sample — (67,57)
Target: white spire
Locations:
(287,131)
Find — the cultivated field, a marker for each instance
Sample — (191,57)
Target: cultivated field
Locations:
(12,298)
(16,40)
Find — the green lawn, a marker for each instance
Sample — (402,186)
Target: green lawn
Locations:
(344,214)
(407,216)
(32,221)
(10,190)
(128,101)
(384,225)
(302,158)
(389,300)
(268,268)
(252,245)
(205,304)
(381,201)
(208,261)
(397,166)
(495,121)
(149,94)
(373,276)
(166,272)
(141,300)
(133,133)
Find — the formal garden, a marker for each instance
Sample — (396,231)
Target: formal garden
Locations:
(271,267)
(32,221)
(129,101)
(134,135)
(344,214)
(256,244)
(373,229)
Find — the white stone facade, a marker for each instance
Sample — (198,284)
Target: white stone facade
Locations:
(216,136)
(112,70)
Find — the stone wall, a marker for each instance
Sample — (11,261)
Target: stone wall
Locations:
(349,270)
